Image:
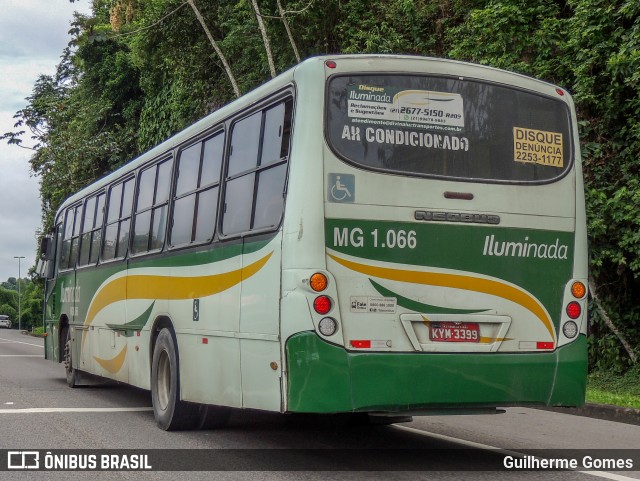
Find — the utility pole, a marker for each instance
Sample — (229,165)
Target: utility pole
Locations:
(19,294)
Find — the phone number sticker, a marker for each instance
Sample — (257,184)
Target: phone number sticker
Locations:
(391,106)
(380,305)
(538,147)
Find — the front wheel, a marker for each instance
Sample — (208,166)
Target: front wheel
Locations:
(73,375)
(170,412)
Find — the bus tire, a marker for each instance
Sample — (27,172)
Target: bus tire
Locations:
(170,412)
(73,374)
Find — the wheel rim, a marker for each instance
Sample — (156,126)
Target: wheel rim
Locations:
(164,379)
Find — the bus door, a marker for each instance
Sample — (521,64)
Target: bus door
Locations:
(50,253)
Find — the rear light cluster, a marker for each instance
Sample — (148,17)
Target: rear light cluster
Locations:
(322,304)
(574,310)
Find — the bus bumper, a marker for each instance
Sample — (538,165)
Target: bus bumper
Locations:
(324,378)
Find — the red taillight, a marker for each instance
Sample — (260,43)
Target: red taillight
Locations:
(574,310)
(322,304)
(331,64)
(544,345)
(361,344)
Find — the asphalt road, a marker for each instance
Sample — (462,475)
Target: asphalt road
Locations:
(39,412)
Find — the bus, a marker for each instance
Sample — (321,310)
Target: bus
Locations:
(380,234)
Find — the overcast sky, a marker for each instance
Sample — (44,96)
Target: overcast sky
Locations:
(33,34)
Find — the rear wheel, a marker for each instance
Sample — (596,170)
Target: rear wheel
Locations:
(170,412)
(73,375)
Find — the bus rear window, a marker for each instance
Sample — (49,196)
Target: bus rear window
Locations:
(448,127)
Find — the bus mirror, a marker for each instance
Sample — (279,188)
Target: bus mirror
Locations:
(46,265)
(45,249)
(49,269)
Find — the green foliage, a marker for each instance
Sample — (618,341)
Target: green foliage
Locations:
(31,299)
(138,71)
(619,389)
(518,35)
(38,331)
(9,310)
(11,284)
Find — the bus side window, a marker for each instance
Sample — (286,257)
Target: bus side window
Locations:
(111,229)
(207,204)
(96,233)
(75,239)
(66,238)
(271,182)
(151,208)
(87,226)
(196,198)
(243,158)
(116,232)
(270,197)
(254,198)
(125,218)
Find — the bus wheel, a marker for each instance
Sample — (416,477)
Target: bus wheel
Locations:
(213,417)
(73,375)
(170,412)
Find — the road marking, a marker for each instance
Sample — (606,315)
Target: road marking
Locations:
(472,444)
(20,342)
(22,355)
(73,410)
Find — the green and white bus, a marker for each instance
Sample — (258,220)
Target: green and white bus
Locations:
(364,233)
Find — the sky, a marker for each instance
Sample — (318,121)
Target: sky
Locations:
(33,34)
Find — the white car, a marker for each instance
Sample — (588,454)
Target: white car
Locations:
(5,321)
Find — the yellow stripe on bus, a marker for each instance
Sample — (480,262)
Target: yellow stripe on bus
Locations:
(115,364)
(167,287)
(455,281)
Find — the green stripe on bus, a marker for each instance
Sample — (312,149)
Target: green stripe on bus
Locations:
(419,306)
(137,324)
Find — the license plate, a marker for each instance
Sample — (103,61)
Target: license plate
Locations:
(454,332)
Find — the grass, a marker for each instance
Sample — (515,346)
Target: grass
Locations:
(38,331)
(617,389)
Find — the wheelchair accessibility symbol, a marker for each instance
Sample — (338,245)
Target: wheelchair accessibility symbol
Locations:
(342,188)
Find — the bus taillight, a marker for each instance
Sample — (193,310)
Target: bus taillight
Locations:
(318,282)
(322,304)
(328,326)
(578,290)
(574,310)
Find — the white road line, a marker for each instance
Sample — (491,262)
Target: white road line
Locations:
(73,410)
(22,355)
(472,444)
(20,342)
